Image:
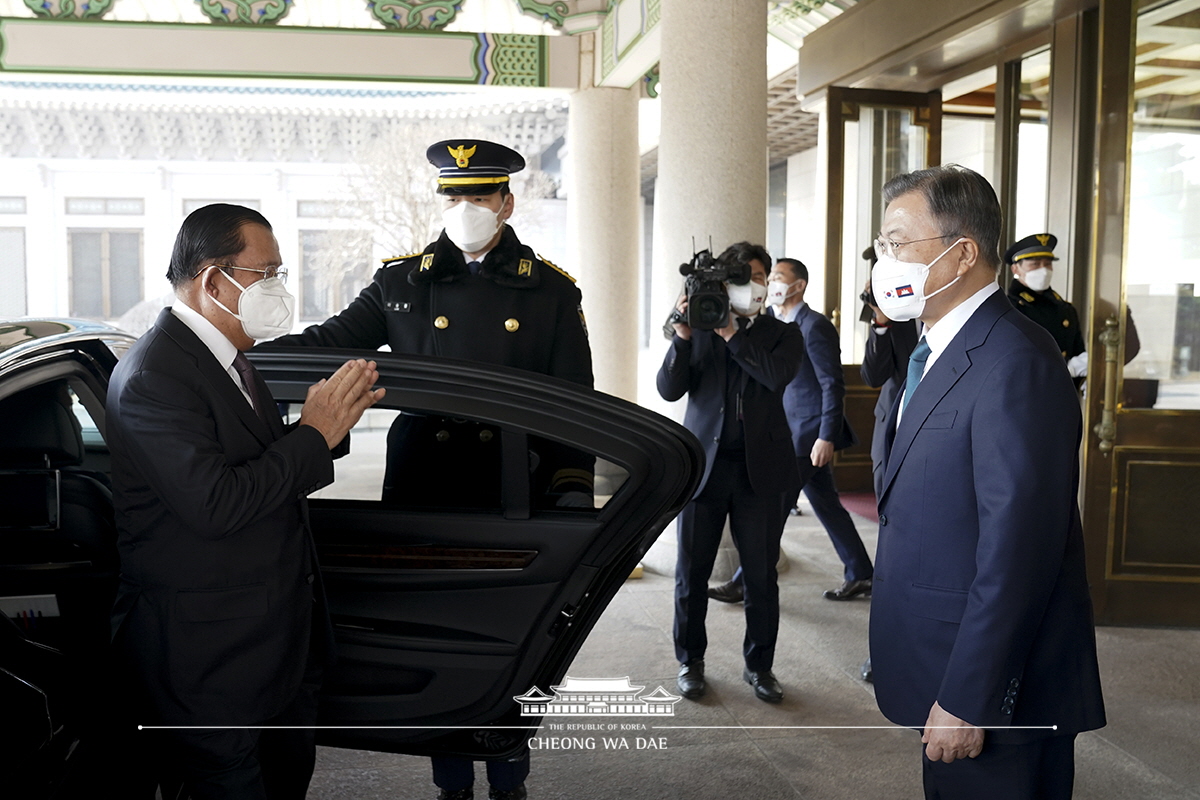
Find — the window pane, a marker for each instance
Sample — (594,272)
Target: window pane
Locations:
(87,291)
(12,205)
(1162,272)
(125,271)
(12,272)
(85,205)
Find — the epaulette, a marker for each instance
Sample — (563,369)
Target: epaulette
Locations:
(387,262)
(1027,297)
(556,268)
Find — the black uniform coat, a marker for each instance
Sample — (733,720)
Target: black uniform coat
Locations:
(769,353)
(1053,313)
(517,312)
(980,591)
(218,568)
(885,365)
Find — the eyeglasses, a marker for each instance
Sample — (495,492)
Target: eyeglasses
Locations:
(889,248)
(269,272)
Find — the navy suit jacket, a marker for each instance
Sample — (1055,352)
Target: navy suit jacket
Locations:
(814,400)
(980,596)
(218,568)
(768,354)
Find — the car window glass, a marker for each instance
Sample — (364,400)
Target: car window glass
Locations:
(419,459)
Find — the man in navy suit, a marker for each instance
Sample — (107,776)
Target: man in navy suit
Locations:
(220,617)
(734,378)
(814,405)
(981,623)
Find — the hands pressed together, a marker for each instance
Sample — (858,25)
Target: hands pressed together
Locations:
(335,404)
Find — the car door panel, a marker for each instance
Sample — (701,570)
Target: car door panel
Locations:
(442,616)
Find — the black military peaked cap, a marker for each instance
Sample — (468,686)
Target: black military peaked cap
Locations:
(1040,245)
(473,166)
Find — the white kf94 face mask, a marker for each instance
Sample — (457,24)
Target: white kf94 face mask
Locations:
(265,308)
(900,285)
(470,226)
(746,299)
(1038,279)
(778,292)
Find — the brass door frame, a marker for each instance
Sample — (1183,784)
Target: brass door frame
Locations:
(843,104)
(1123,591)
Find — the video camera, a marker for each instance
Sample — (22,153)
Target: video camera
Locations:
(708,302)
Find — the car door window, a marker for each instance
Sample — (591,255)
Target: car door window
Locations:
(422,459)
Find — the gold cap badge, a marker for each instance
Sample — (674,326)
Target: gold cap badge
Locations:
(1043,238)
(462,155)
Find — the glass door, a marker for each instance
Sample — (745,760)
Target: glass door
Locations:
(1142,451)
(873,136)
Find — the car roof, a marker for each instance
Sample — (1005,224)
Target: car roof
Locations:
(21,338)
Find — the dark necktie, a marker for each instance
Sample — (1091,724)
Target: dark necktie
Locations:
(250,378)
(474,267)
(916,368)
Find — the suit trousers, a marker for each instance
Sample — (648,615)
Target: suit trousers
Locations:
(253,764)
(456,774)
(1040,770)
(820,489)
(756,522)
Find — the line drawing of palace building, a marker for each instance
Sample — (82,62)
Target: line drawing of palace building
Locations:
(590,697)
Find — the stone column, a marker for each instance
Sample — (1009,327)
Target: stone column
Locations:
(603,224)
(712,162)
(712,153)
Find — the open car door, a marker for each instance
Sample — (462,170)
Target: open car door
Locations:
(443,612)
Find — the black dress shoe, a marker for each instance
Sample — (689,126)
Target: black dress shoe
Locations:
(849,589)
(764,683)
(728,592)
(867,675)
(457,794)
(691,679)
(507,794)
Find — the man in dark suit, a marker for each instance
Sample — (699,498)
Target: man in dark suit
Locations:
(885,367)
(981,624)
(734,378)
(220,616)
(814,404)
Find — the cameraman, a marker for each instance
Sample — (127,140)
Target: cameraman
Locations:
(734,377)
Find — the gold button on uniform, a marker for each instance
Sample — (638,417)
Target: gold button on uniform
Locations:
(443,436)
(1066,323)
(511,325)
(485,436)
(441,323)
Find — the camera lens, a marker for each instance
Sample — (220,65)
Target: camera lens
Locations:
(708,311)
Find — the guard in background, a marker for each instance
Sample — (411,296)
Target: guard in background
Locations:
(478,294)
(1032,263)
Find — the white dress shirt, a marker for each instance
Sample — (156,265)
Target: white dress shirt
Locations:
(221,348)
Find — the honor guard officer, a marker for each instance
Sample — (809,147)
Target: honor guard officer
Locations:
(479,294)
(1032,263)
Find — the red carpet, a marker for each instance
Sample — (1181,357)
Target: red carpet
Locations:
(861,503)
